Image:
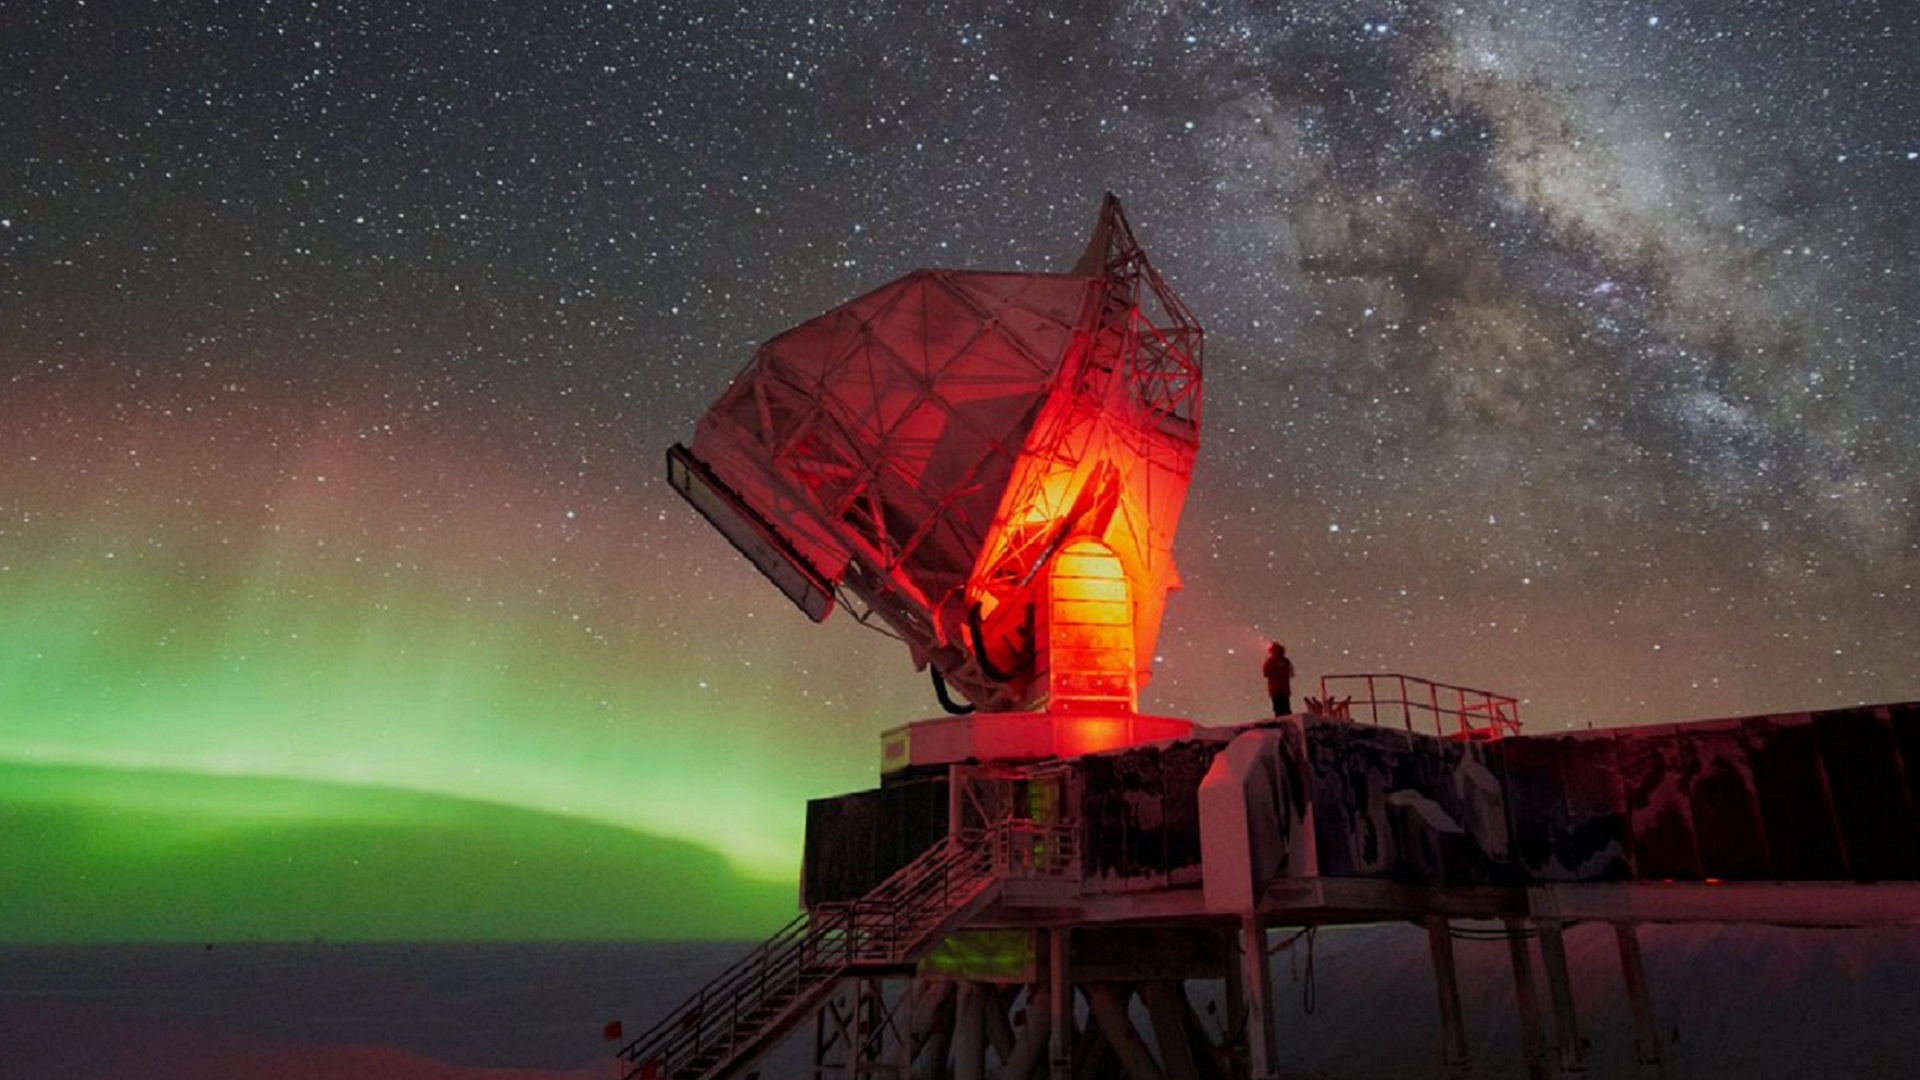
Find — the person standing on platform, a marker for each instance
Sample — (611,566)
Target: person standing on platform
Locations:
(1279,672)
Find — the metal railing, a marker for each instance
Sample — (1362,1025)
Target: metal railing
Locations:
(888,924)
(1455,712)
(738,1015)
(755,1000)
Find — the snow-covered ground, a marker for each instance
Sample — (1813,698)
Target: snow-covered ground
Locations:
(1746,1002)
(1732,1002)
(325,1011)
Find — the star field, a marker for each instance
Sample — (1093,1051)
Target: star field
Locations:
(1566,349)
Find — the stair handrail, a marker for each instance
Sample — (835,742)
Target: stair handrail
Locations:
(773,964)
(816,948)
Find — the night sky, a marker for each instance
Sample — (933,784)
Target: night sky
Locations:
(1564,348)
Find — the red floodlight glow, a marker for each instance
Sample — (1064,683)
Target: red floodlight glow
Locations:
(950,452)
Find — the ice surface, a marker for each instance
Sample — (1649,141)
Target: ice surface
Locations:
(323,1010)
(1731,1001)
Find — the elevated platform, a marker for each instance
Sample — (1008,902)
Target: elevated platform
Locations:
(1312,819)
(1018,737)
(1044,914)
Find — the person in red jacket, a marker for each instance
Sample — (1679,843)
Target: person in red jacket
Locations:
(1279,672)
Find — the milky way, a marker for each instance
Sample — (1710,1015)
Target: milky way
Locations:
(1566,349)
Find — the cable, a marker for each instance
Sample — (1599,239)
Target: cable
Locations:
(1469,934)
(957,708)
(1310,993)
(980,646)
(1288,943)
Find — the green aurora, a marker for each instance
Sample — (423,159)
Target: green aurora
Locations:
(389,691)
(105,856)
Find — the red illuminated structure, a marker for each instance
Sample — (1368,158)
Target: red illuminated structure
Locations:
(990,465)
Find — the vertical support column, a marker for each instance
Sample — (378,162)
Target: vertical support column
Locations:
(1233,993)
(1059,1004)
(1570,1047)
(1646,1034)
(819,1040)
(1454,1062)
(857,1029)
(1257,980)
(969,1033)
(1109,1006)
(1167,1009)
(1532,1039)
(1036,1035)
(901,1052)
(995,1022)
(956,798)
(933,1023)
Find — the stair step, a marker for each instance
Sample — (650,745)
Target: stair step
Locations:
(879,931)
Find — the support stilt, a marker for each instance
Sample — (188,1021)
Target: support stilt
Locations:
(993,1013)
(1454,1061)
(1109,1007)
(820,1037)
(1256,980)
(1234,1021)
(856,1027)
(1167,1008)
(969,1031)
(1570,1048)
(1030,1046)
(931,1002)
(1646,1034)
(1211,1059)
(1060,1004)
(1533,1043)
(1093,1055)
(830,1036)
(901,1056)
(931,1061)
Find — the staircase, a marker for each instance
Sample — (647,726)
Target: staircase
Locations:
(742,1014)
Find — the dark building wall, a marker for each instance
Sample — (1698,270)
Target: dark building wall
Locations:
(854,842)
(1393,804)
(1568,808)
(1827,796)
(1140,814)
